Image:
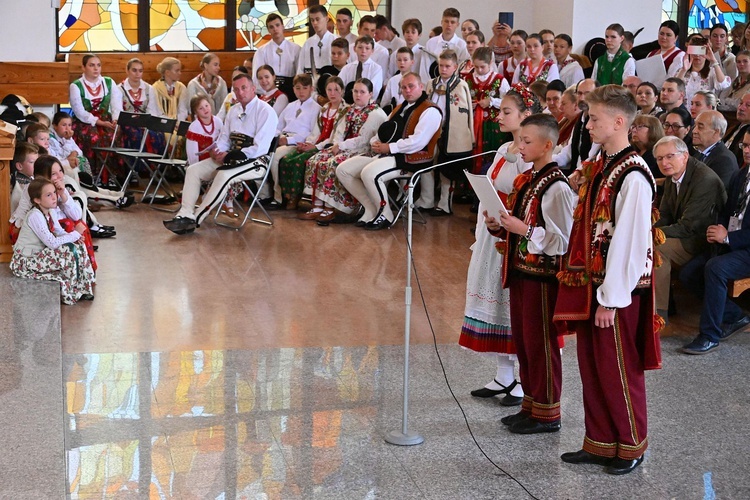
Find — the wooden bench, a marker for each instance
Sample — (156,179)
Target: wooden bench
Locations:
(736,287)
(47,82)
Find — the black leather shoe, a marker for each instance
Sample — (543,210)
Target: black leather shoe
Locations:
(360,223)
(378,224)
(735,327)
(439,212)
(509,400)
(106,228)
(125,201)
(180,225)
(101,233)
(584,457)
(488,393)
(620,466)
(86,296)
(512,419)
(699,346)
(531,426)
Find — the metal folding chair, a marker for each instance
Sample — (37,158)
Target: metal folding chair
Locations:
(255,200)
(133,158)
(160,168)
(399,204)
(126,119)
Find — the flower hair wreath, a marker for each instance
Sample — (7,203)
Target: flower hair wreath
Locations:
(526,95)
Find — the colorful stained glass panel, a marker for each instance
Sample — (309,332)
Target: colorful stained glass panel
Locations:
(189,25)
(98,25)
(705,13)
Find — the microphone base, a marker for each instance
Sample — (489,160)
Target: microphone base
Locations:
(400,439)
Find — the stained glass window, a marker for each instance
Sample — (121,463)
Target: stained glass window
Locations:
(705,13)
(188,25)
(98,25)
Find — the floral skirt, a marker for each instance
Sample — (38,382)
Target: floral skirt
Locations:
(88,242)
(90,136)
(320,177)
(68,264)
(292,173)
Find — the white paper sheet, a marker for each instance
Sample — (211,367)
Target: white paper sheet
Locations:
(487,194)
(651,69)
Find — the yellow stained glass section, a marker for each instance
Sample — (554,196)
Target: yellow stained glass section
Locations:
(187,25)
(98,25)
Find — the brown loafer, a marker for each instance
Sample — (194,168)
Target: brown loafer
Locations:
(309,215)
(326,216)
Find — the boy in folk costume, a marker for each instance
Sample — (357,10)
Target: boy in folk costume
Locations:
(536,237)
(452,96)
(606,293)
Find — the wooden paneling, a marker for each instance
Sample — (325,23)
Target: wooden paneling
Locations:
(39,83)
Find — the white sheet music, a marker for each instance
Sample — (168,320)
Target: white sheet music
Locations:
(487,194)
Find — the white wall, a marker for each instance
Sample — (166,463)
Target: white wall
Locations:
(28,31)
(632,14)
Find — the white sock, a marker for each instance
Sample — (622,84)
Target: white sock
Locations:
(505,373)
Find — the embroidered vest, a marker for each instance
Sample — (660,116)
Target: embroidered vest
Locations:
(594,221)
(525,202)
(131,106)
(99,109)
(456,136)
(406,122)
(611,72)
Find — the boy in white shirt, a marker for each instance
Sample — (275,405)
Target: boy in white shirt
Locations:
(392,95)
(387,36)
(295,124)
(279,53)
(448,39)
(344,21)
(318,45)
(365,67)
(368,27)
(412,30)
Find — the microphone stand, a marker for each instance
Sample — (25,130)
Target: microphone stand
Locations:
(404,437)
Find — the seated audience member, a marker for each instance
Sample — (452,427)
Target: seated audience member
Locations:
(487,89)
(447,39)
(535,66)
(392,92)
(668,50)
(45,251)
(719,37)
(734,137)
(553,98)
(379,55)
(209,82)
(387,36)
(721,317)
(204,130)
(739,40)
(729,98)
(646,96)
(693,196)
(364,67)
(628,40)
(468,27)
(279,53)
(230,99)
(672,95)
(615,64)
(679,123)
(344,21)
(703,100)
(171,93)
(139,97)
(548,44)
(268,92)
(570,115)
(418,120)
(539,88)
(295,124)
(42,118)
(24,156)
(318,44)
(411,30)
(702,72)
(351,138)
(631,83)
(453,98)
(240,154)
(293,166)
(710,127)
(500,42)
(570,70)
(580,148)
(645,132)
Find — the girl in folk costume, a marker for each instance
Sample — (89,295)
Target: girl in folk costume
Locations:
(730,98)
(139,97)
(230,100)
(535,66)
(45,251)
(487,90)
(518,53)
(209,82)
(474,40)
(292,166)
(486,326)
(351,138)
(571,113)
(268,92)
(171,93)
(670,54)
(702,72)
(646,96)
(570,70)
(614,65)
(96,103)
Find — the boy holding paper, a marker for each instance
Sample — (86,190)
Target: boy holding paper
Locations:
(536,233)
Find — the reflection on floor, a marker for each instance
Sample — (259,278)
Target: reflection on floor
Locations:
(309,423)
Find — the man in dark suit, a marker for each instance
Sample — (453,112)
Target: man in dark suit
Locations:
(710,127)
(733,137)
(693,196)
(732,237)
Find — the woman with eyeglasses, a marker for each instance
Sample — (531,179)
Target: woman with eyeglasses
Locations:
(644,133)
(646,96)
(729,99)
(679,123)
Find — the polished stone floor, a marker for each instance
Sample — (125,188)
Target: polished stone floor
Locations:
(267,363)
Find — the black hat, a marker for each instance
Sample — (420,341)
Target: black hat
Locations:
(233,159)
(387,131)
(323,74)
(434,71)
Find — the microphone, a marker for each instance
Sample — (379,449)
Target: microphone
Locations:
(510,157)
